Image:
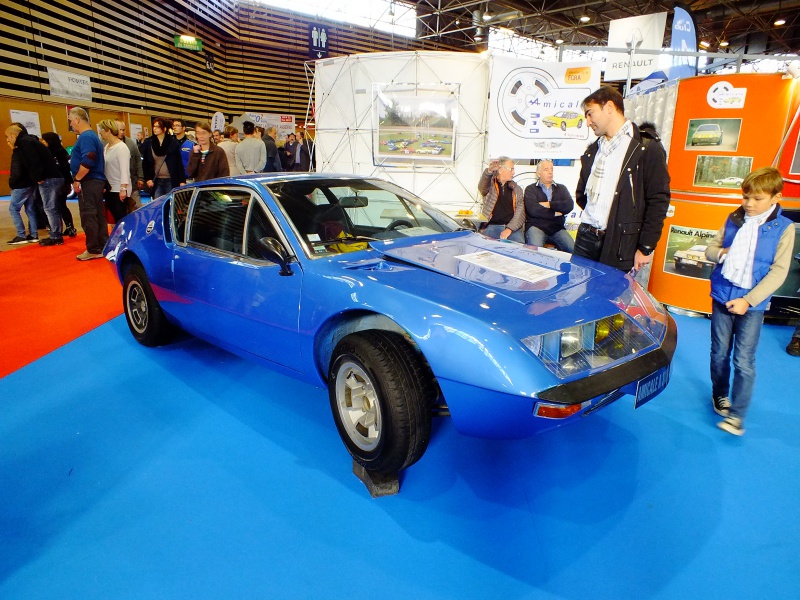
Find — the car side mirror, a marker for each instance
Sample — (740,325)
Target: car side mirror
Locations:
(467,224)
(271,249)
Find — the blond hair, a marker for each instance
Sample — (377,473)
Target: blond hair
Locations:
(109,125)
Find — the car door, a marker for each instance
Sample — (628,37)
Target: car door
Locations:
(236,298)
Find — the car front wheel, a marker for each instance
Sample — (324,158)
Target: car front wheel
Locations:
(145,318)
(381,394)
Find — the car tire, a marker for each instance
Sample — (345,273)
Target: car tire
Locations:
(563,125)
(580,123)
(381,393)
(145,318)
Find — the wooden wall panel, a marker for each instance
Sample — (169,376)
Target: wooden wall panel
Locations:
(127,49)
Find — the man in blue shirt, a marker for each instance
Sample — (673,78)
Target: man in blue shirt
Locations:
(87,165)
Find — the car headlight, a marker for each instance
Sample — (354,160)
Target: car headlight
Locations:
(639,326)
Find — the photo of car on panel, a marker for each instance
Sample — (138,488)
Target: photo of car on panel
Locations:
(726,173)
(716,134)
(686,252)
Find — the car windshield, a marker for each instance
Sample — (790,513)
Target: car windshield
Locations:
(713,128)
(342,215)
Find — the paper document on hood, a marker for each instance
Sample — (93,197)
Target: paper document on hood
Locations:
(510,267)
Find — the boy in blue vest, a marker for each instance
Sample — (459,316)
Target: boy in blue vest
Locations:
(753,252)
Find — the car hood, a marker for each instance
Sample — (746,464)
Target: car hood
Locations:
(522,274)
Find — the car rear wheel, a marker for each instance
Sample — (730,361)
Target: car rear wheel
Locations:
(145,318)
(381,395)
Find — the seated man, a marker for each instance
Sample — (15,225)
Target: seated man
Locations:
(546,204)
(502,202)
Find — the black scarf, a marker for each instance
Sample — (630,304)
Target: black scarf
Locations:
(160,149)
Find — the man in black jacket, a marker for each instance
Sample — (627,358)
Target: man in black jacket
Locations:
(623,187)
(546,204)
(32,165)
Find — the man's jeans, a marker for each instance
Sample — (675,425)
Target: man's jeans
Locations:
(93,216)
(561,239)
(494,231)
(738,334)
(49,190)
(20,198)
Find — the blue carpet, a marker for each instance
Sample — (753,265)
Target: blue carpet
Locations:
(186,472)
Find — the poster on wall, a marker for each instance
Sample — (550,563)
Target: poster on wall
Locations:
(722,171)
(29,119)
(414,123)
(66,84)
(686,252)
(720,134)
(535,111)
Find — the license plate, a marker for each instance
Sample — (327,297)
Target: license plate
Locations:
(651,386)
(689,262)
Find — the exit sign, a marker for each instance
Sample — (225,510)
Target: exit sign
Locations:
(187,42)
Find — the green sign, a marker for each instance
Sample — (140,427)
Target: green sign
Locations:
(188,42)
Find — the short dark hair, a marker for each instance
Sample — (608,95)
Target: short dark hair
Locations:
(602,96)
(165,124)
(181,121)
(248,127)
(229,131)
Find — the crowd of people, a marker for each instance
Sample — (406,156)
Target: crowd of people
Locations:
(623,191)
(110,171)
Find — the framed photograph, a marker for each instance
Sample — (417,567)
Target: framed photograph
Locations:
(686,252)
(414,124)
(713,134)
(726,173)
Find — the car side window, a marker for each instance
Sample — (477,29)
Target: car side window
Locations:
(259,226)
(180,210)
(218,219)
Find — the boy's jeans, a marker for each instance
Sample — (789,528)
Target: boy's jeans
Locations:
(23,198)
(737,333)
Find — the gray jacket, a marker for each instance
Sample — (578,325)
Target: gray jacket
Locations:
(489,188)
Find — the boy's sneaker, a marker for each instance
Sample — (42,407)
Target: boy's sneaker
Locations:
(721,405)
(32,240)
(732,425)
(70,231)
(51,241)
(18,240)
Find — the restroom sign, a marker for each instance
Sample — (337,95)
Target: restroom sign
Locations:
(318,41)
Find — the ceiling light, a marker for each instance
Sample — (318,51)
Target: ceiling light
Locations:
(779,22)
(559,41)
(585,19)
(723,44)
(478,38)
(704,44)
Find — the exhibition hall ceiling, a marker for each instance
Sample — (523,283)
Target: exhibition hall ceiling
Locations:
(726,25)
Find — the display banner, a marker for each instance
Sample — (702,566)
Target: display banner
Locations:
(283,123)
(65,84)
(637,33)
(684,39)
(535,111)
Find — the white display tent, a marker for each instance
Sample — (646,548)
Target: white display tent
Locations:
(345,120)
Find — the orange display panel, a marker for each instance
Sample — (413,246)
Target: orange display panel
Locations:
(725,126)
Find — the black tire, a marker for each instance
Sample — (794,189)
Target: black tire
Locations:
(145,318)
(580,123)
(381,394)
(563,125)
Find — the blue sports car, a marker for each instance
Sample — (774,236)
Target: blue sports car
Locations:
(403,313)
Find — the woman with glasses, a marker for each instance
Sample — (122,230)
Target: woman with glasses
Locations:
(207,160)
(161,160)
